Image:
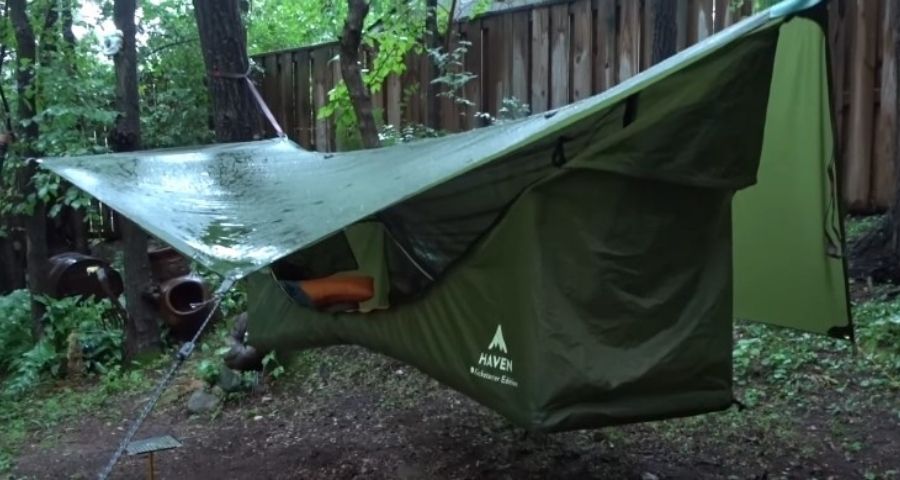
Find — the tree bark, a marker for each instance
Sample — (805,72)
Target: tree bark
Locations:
(67,23)
(895,208)
(141,328)
(36,223)
(350,70)
(665,30)
(224,44)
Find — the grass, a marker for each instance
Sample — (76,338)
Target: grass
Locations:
(857,226)
(53,405)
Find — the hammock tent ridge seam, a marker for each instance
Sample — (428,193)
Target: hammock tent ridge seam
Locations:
(592,291)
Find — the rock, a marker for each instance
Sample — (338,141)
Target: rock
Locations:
(229,380)
(217,391)
(202,402)
(649,476)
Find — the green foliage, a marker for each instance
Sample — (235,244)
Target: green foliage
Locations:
(511,108)
(391,135)
(878,335)
(451,72)
(272,366)
(174,99)
(790,363)
(15,328)
(279,24)
(75,100)
(24,362)
(395,31)
(858,226)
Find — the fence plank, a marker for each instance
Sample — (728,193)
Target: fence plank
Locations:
(862,85)
(321,73)
(393,98)
(450,120)
(520,44)
(503,48)
(473,91)
(700,20)
(559,55)
(604,44)
(883,163)
(287,107)
(540,59)
(722,15)
(839,36)
(648,34)
(303,93)
(412,110)
(271,89)
(629,40)
(682,24)
(582,54)
(492,41)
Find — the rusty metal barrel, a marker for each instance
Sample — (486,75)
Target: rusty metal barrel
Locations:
(184,304)
(166,263)
(72,274)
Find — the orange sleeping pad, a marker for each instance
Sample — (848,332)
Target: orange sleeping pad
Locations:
(338,289)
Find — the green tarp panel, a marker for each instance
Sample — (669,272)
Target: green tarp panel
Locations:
(573,269)
(788,248)
(238,207)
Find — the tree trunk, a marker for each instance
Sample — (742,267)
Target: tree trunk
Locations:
(67,23)
(350,70)
(224,44)
(141,328)
(895,208)
(432,89)
(36,223)
(665,31)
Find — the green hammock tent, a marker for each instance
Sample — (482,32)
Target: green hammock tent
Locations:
(573,269)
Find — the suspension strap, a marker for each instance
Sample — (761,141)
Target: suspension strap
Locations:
(184,352)
(256,96)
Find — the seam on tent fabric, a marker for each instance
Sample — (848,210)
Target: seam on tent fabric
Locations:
(738,183)
(415,262)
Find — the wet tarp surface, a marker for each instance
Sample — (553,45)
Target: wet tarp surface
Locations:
(576,269)
(238,207)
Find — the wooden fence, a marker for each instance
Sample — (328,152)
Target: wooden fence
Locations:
(552,54)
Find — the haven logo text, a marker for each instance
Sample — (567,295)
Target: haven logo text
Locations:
(494,364)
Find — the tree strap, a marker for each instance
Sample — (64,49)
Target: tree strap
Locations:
(256,96)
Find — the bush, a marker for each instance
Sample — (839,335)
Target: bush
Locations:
(83,323)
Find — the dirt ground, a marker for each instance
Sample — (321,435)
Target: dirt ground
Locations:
(388,421)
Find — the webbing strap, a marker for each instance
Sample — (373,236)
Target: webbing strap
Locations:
(256,96)
(183,353)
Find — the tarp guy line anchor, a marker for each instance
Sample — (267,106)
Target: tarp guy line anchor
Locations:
(184,352)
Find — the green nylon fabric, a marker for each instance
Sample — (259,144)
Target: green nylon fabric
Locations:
(781,253)
(640,268)
(611,288)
